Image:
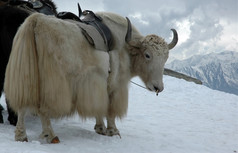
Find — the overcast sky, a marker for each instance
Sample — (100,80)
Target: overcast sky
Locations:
(203,26)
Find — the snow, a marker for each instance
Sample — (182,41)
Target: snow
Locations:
(184,118)
(216,70)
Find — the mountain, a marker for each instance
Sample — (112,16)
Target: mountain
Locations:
(184,118)
(218,71)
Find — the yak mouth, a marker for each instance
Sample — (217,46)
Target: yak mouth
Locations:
(155,89)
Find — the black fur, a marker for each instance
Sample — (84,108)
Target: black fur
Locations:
(10,19)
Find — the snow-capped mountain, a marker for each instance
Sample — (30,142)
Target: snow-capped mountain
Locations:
(216,70)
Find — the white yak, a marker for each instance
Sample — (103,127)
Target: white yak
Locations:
(54,71)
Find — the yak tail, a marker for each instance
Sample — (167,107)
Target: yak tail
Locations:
(21,85)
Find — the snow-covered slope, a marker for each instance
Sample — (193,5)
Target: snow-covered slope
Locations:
(184,118)
(216,70)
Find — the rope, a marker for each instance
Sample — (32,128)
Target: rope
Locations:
(157,92)
(138,85)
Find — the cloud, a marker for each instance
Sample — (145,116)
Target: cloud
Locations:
(138,16)
(183,28)
(204,26)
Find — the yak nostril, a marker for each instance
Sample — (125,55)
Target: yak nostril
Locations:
(158,89)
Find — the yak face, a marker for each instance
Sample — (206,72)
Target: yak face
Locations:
(155,53)
(148,56)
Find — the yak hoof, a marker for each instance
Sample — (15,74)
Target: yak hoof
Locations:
(112,132)
(25,140)
(100,129)
(55,140)
(22,139)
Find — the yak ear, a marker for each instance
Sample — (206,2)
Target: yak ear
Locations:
(135,46)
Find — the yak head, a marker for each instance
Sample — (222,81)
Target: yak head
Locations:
(148,56)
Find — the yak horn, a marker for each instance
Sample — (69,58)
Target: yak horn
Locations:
(129,30)
(79,10)
(175,39)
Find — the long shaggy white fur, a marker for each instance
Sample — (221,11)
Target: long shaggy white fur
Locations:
(54,70)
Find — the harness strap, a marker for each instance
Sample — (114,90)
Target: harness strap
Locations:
(34,4)
(20,4)
(68,15)
(30,6)
(26,8)
(96,21)
(91,25)
(91,34)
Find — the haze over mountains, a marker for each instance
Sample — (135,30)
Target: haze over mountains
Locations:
(218,71)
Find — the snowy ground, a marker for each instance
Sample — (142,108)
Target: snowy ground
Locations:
(184,118)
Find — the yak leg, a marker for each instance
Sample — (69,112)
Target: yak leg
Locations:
(1,109)
(12,116)
(20,132)
(117,108)
(111,127)
(2,75)
(100,126)
(47,131)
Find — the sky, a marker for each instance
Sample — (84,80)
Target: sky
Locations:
(203,26)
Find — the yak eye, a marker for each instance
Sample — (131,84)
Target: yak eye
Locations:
(147,56)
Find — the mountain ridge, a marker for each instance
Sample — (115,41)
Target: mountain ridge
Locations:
(218,71)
